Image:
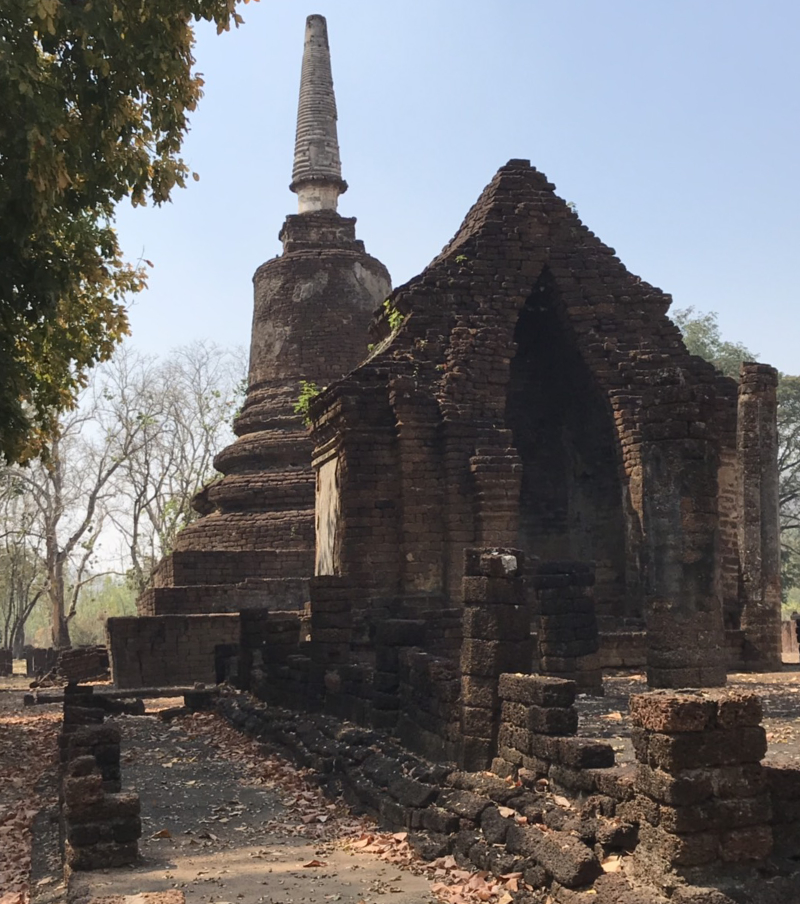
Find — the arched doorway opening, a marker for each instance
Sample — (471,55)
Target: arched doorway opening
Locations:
(571,501)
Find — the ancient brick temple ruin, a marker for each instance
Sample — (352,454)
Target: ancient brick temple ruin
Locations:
(526,480)
(536,396)
(525,392)
(254,545)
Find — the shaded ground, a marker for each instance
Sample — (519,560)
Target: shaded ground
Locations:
(237,825)
(27,749)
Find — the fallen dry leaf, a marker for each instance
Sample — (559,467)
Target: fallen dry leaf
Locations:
(612,717)
(27,749)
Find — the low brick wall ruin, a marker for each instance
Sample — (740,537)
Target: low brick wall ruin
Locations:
(701,792)
(698,811)
(51,667)
(101,825)
(39,660)
(441,700)
(537,734)
(432,680)
(173,649)
(83,663)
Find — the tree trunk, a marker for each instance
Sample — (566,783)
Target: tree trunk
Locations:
(61,640)
(18,640)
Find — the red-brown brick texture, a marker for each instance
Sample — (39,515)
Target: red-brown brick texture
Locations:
(526,390)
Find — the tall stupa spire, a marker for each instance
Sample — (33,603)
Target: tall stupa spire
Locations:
(317,173)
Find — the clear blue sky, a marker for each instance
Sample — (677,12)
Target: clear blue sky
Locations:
(674,126)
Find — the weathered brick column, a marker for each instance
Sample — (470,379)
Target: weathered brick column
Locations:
(497,627)
(101,825)
(759,531)
(80,710)
(680,520)
(567,638)
(84,734)
(533,708)
(701,790)
(102,830)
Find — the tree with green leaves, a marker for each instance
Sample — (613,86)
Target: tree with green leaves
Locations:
(702,336)
(23,577)
(95,96)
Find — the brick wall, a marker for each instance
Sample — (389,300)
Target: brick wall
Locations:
(168,650)
(536,396)
(693,822)
(567,638)
(702,793)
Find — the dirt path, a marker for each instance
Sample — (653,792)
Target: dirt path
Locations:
(238,825)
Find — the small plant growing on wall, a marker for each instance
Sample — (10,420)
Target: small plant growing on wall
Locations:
(308,392)
(393,315)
